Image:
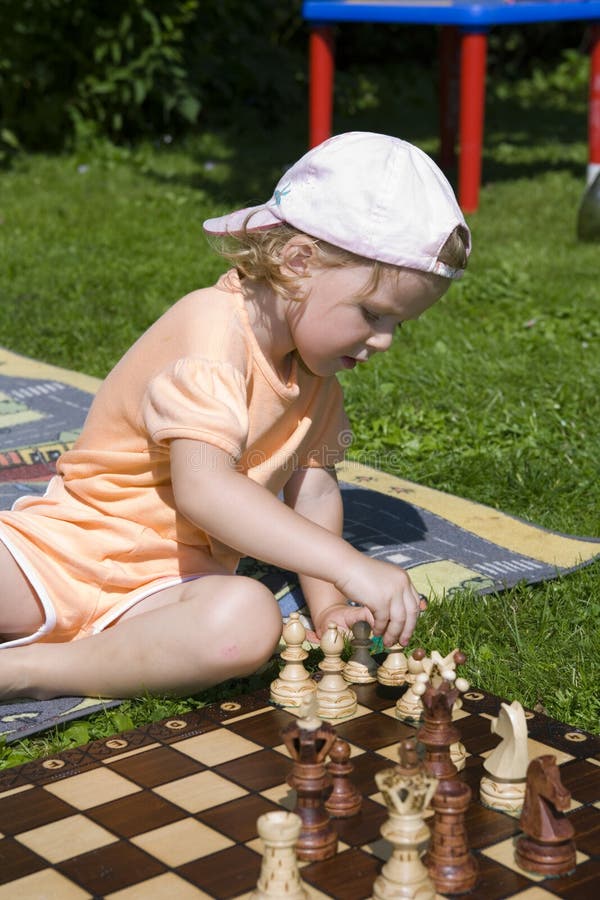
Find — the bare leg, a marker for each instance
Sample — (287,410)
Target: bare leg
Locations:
(212,629)
(21,613)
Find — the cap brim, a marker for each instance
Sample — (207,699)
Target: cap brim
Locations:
(253,218)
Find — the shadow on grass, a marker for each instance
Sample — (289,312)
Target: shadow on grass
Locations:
(519,142)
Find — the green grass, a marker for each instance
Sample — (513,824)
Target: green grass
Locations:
(492,395)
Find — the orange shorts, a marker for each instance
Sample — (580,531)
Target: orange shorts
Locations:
(88,570)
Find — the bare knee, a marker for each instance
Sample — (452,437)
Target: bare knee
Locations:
(257,613)
(244,621)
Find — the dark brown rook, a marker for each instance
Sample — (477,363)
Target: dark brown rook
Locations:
(308,748)
(450,863)
(345,799)
(438,732)
(547,846)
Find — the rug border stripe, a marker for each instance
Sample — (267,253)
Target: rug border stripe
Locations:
(13,364)
(562,551)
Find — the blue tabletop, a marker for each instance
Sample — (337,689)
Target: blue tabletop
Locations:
(478,13)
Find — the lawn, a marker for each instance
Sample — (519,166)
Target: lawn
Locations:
(492,395)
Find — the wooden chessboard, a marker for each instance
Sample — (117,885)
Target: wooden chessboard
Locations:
(170,809)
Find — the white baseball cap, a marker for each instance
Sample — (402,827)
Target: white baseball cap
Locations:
(375,195)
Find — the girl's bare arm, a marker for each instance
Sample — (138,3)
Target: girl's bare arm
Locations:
(240,513)
(315,494)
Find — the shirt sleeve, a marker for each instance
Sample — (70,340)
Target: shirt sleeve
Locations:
(199,399)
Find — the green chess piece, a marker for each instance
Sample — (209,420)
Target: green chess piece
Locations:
(588,217)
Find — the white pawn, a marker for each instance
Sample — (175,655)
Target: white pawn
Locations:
(335,699)
(279,875)
(392,671)
(294,683)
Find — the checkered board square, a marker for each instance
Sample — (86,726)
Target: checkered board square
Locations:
(170,809)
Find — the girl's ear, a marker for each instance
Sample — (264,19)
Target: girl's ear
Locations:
(297,255)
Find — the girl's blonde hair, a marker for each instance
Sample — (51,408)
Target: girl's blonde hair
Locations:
(258,255)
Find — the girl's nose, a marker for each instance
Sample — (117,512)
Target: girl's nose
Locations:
(381,341)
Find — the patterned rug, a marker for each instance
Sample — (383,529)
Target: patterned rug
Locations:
(448,543)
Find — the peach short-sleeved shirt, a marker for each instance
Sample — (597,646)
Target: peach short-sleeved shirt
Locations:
(107,533)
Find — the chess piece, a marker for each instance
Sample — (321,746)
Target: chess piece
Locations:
(294,682)
(547,846)
(345,800)
(335,699)
(451,865)
(308,740)
(279,874)
(446,663)
(503,788)
(361,668)
(407,790)
(417,662)
(409,707)
(458,754)
(408,757)
(449,861)
(392,671)
(438,731)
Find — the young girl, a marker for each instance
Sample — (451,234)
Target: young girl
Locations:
(121,579)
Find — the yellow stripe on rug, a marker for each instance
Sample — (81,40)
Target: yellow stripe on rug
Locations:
(23,367)
(488,523)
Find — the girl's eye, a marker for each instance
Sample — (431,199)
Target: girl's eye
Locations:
(369,316)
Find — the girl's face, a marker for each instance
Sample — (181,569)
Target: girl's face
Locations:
(338,325)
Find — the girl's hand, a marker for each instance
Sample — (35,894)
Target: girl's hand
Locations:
(388,593)
(344,617)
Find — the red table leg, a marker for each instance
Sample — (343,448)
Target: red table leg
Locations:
(594,106)
(320,78)
(448,94)
(472,105)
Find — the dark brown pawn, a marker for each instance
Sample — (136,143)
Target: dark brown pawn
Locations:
(308,748)
(451,865)
(547,847)
(438,732)
(360,657)
(345,800)
(408,758)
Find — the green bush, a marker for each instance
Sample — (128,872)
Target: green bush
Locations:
(68,65)
(71,69)
(249,56)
